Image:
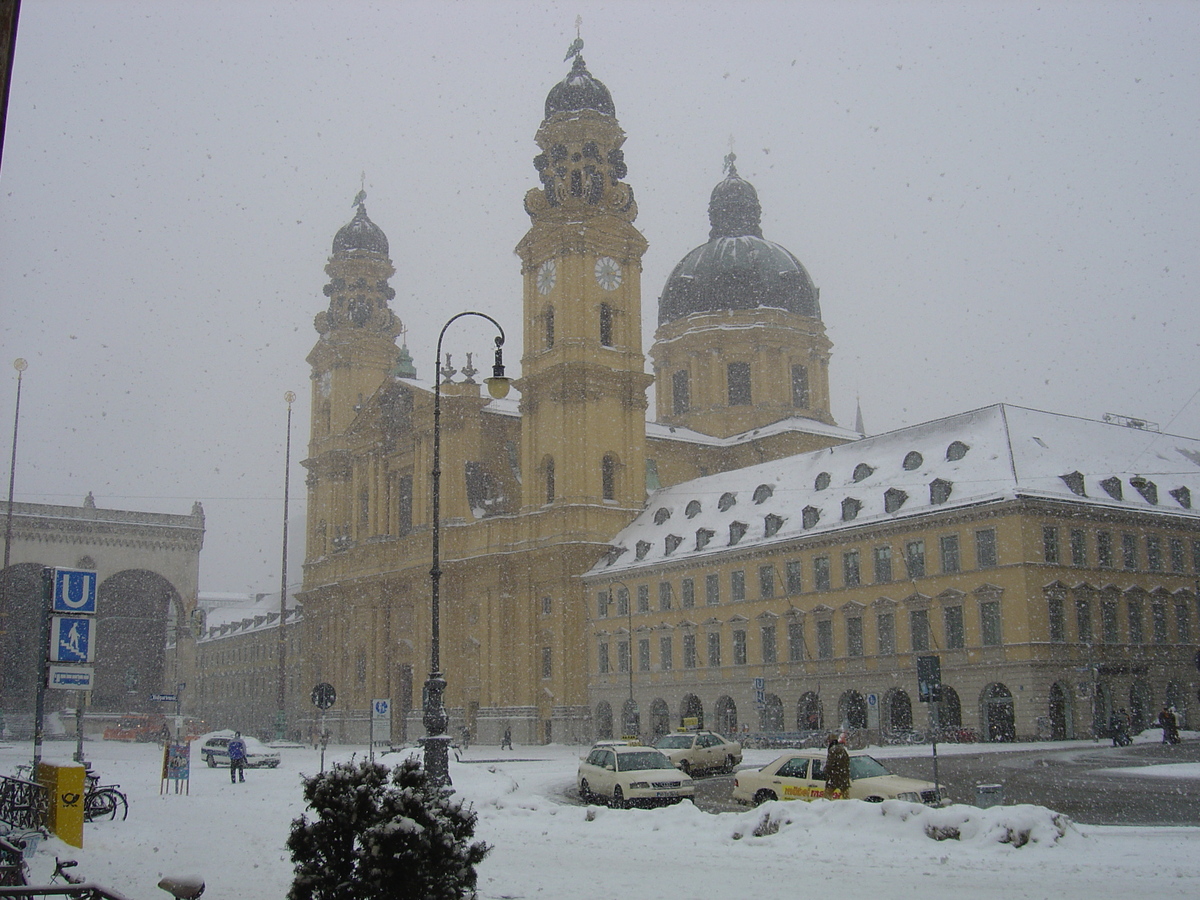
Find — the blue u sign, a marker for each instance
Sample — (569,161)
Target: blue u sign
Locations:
(75,591)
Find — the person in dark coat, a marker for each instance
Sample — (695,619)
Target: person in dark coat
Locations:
(237,758)
(506,741)
(837,769)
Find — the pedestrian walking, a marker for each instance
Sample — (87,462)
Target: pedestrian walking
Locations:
(837,769)
(1169,724)
(506,741)
(237,758)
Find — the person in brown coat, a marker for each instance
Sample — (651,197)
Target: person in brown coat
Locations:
(837,770)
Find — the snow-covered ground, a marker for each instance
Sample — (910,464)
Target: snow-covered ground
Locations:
(233,835)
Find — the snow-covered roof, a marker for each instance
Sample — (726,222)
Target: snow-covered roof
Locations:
(655,430)
(996,453)
(261,612)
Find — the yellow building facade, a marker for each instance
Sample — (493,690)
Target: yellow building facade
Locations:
(1054,585)
(533,489)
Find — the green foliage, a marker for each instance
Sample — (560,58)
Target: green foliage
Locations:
(382,834)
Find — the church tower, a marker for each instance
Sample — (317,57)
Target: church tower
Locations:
(583,384)
(355,351)
(740,342)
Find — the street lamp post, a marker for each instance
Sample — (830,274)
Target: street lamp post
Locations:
(281,711)
(20,365)
(435,719)
(629,655)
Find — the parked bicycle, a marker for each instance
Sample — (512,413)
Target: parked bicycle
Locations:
(103,800)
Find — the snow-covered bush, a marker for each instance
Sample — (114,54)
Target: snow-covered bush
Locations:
(382,834)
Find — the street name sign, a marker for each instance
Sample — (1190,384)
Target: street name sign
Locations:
(165,698)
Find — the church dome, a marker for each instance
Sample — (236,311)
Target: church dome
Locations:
(579,90)
(360,233)
(737,268)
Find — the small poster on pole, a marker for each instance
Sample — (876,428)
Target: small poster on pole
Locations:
(176,768)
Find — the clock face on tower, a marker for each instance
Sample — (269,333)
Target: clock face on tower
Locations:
(547,275)
(608,273)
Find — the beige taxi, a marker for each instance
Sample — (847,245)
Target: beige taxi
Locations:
(628,775)
(800,775)
(696,751)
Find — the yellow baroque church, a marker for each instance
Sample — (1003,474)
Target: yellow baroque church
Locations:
(739,560)
(534,490)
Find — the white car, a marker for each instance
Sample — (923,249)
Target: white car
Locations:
(214,748)
(695,751)
(800,775)
(628,776)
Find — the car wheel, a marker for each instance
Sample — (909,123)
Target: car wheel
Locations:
(874,799)
(585,792)
(763,796)
(685,767)
(729,763)
(618,798)
(208,758)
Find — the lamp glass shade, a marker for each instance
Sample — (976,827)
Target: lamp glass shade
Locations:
(498,387)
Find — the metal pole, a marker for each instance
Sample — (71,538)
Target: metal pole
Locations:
(39,707)
(20,365)
(436,741)
(281,710)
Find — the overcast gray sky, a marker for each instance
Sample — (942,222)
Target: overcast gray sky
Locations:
(998,200)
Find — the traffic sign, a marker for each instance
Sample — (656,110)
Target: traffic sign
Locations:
(381,709)
(71,678)
(323,695)
(74,592)
(72,639)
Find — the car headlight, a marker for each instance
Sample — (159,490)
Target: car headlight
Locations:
(910,796)
(638,785)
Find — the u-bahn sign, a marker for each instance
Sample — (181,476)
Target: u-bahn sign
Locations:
(74,592)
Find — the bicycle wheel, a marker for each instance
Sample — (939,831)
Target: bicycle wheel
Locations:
(98,804)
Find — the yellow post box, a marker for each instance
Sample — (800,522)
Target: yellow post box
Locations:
(64,783)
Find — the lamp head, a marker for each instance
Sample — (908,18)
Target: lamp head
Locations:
(499,383)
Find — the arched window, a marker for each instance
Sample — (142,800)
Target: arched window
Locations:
(549,327)
(549,479)
(606,325)
(608,477)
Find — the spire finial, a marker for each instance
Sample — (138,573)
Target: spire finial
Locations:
(360,198)
(730,159)
(576,45)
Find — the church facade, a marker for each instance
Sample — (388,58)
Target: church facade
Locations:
(736,558)
(534,490)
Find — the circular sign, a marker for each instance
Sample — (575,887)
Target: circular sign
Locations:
(323,695)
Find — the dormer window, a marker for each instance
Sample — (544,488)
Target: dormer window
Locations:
(692,509)
(772,524)
(862,471)
(1148,489)
(822,481)
(913,460)
(763,493)
(956,451)
(643,547)
(1074,480)
(703,536)
(1183,496)
(737,530)
(939,491)
(672,543)
(728,499)
(661,515)
(893,499)
(810,516)
(850,508)
(1112,487)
